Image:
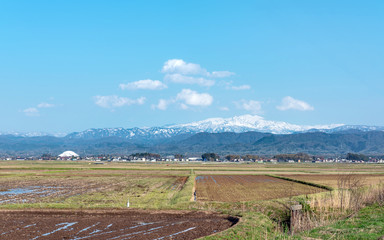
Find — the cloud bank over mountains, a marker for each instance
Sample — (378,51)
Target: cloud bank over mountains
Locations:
(177,72)
(186,86)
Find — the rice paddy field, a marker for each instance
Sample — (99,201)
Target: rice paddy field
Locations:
(233,201)
(236,188)
(64,224)
(331,180)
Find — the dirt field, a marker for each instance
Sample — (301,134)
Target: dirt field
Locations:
(331,179)
(110,224)
(38,189)
(235,188)
(158,188)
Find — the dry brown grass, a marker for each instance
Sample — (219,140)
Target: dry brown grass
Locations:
(352,194)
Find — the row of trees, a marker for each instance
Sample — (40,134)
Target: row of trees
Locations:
(146,155)
(215,157)
(295,157)
(249,157)
(356,156)
(231,157)
(210,157)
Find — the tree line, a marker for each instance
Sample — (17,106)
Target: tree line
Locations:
(358,157)
(295,157)
(232,157)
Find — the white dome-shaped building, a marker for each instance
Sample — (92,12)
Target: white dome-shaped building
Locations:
(68,154)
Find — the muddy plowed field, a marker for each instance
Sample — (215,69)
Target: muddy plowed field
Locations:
(43,189)
(235,188)
(331,180)
(35,190)
(110,224)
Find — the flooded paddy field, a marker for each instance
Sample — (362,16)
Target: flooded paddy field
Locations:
(110,224)
(235,188)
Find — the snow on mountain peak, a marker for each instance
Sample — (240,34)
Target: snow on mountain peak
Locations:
(238,124)
(248,123)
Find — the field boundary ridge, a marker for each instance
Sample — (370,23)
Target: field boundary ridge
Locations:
(302,182)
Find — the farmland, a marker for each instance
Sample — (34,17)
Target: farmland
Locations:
(91,190)
(59,224)
(234,188)
(331,180)
(96,196)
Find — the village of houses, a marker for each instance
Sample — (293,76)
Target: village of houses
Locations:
(153,158)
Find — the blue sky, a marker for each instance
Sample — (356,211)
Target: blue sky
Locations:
(71,65)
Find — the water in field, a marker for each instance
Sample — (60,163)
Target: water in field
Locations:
(27,194)
(16,191)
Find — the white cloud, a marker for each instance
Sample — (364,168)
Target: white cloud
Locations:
(45,105)
(224,108)
(185,99)
(179,66)
(31,112)
(116,101)
(144,84)
(179,78)
(34,111)
(162,105)
(229,85)
(290,103)
(192,98)
(249,105)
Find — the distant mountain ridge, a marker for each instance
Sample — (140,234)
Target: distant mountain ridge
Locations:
(246,123)
(242,134)
(238,124)
(317,143)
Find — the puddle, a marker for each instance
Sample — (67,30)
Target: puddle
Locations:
(16,191)
(28,194)
(32,189)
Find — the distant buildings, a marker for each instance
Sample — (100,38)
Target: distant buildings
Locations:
(149,157)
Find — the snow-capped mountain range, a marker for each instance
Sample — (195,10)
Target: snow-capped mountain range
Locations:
(236,124)
(247,123)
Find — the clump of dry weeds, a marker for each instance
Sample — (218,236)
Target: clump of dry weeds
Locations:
(351,195)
